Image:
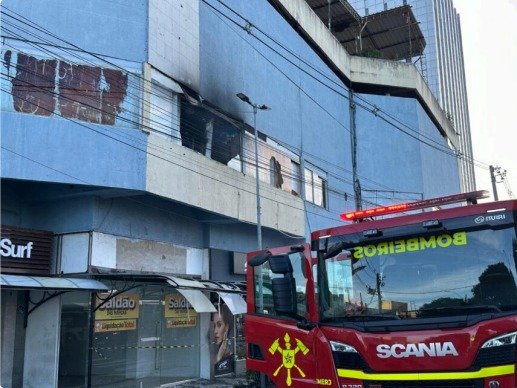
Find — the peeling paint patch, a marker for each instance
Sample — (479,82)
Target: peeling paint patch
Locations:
(79,97)
(33,86)
(87,93)
(113,97)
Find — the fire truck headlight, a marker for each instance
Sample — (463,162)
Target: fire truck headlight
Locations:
(340,347)
(506,339)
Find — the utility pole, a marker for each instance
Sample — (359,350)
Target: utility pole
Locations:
(492,177)
(498,172)
(353,141)
(256,107)
(379,282)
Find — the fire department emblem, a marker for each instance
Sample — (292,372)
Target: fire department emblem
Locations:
(288,356)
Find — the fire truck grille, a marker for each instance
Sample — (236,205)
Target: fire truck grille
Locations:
(350,361)
(501,355)
(425,384)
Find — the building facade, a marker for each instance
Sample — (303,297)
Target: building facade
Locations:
(123,140)
(441,65)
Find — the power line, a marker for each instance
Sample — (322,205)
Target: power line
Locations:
(249,27)
(155,155)
(149,128)
(148,81)
(136,124)
(307,94)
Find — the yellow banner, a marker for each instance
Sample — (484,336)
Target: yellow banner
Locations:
(115,325)
(122,306)
(173,323)
(179,312)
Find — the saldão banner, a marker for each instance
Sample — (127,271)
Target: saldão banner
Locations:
(117,313)
(179,312)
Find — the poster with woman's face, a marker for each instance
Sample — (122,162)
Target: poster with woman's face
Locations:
(223,340)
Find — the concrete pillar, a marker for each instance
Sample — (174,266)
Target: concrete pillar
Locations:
(9,305)
(205,366)
(42,337)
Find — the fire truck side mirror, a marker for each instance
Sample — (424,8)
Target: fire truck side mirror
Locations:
(284,295)
(259,259)
(334,250)
(280,264)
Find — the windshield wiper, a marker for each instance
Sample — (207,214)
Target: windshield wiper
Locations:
(446,311)
(363,318)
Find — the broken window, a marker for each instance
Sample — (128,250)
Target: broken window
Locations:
(275,172)
(209,134)
(91,94)
(315,186)
(275,163)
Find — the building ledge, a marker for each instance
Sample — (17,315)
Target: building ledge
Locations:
(191,178)
(364,75)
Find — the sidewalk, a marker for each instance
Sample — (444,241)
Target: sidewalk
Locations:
(221,382)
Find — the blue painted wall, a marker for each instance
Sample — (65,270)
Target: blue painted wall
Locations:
(59,150)
(115,28)
(309,114)
(408,154)
(309,109)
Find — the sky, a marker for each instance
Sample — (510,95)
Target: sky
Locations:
(489,32)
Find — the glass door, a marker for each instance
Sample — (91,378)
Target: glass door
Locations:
(149,346)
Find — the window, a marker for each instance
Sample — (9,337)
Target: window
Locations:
(315,187)
(153,341)
(278,166)
(296,182)
(275,173)
(50,86)
(209,132)
(164,112)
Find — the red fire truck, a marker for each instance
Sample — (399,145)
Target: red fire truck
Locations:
(423,299)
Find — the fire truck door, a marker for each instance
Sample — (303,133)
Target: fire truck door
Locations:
(281,345)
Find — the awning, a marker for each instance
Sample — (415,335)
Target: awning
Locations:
(185,283)
(194,290)
(189,288)
(198,300)
(235,302)
(50,283)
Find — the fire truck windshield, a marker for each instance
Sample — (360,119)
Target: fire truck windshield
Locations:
(442,274)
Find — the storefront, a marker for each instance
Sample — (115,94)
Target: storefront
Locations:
(104,325)
(31,307)
(148,330)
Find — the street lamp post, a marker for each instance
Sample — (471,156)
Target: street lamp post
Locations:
(256,107)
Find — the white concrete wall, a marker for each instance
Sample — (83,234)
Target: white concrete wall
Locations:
(74,252)
(186,176)
(8,319)
(174,39)
(122,253)
(42,344)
